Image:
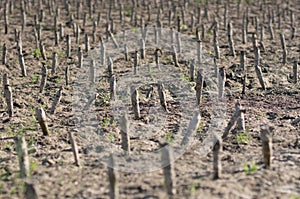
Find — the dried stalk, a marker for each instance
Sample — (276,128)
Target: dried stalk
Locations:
(22,64)
(295,71)
(44,78)
(162,96)
(221,82)
(169,172)
(192,129)
(175,56)
(112,83)
(74,149)
(31,191)
(217,150)
(266,139)
(110,66)
(135,103)
(230,39)
(23,157)
(54,61)
(4,54)
(283,45)
(199,51)
(136,62)
(112,176)
(199,86)
(260,77)
(192,70)
(80,57)
(126,52)
(143,50)
(57,99)
(87,42)
(41,118)
(125,133)
(92,71)
(238,116)
(42,50)
(8,98)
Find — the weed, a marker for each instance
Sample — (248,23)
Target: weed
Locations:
(127,10)
(198,1)
(33,166)
(61,54)
(106,122)
(295,196)
(36,53)
(111,137)
(31,141)
(35,78)
(183,26)
(185,77)
(250,168)
(242,137)
(44,106)
(58,79)
(169,137)
(5,176)
(194,185)
(199,128)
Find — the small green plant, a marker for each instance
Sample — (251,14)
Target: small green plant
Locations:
(183,26)
(199,128)
(33,166)
(134,29)
(61,54)
(127,10)
(58,79)
(295,196)
(106,121)
(35,78)
(198,1)
(111,137)
(242,137)
(194,185)
(6,175)
(185,77)
(36,53)
(169,137)
(250,168)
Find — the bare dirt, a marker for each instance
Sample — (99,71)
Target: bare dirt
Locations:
(51,159)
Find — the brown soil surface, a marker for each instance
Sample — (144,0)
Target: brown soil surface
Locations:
(52,164)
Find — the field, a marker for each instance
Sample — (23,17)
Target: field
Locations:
(72,98)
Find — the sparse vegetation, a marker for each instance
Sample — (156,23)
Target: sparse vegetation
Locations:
(250,168)
(265,31)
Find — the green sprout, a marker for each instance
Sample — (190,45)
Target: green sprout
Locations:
(36,53)
(169,137)
(111,137)
(242,137)
(199,128)
(185,77)
(58,79)
(194,185)
(61,54)
(35,78)
(250,168)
